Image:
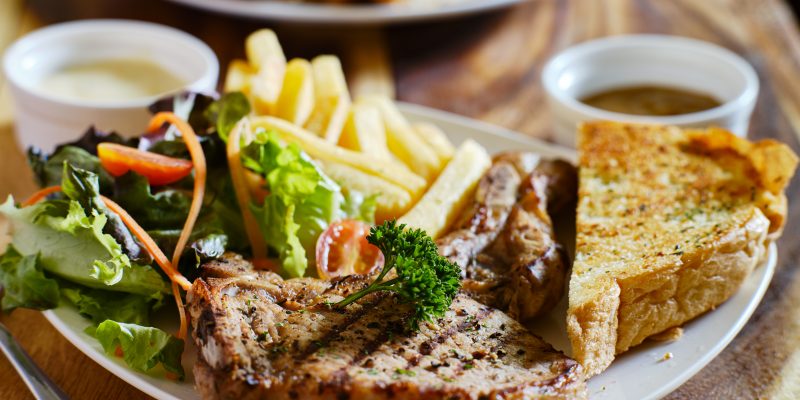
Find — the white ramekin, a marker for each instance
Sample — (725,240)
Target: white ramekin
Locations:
(632,60)
(45,120)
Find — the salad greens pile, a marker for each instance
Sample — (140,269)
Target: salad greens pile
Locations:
(71,248)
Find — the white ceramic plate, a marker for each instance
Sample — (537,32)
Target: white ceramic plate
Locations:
(639,374)
(359,14)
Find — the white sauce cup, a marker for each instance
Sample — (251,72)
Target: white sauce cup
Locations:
(43,119)
(637,60)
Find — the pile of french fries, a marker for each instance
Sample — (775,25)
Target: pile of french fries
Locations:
(366,145)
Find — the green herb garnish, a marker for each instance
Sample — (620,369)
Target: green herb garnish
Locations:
(424,278)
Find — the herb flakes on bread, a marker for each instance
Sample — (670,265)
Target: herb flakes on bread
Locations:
(669,225)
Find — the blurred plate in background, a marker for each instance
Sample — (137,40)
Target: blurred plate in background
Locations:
(355,14)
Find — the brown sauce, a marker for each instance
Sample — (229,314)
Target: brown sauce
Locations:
(651,100)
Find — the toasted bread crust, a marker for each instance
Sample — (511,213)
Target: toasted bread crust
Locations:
(669,225)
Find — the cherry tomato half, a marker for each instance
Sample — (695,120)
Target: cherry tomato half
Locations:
(158,169)
(343,250)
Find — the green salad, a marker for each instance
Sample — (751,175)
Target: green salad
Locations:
(121,226)
(71,248)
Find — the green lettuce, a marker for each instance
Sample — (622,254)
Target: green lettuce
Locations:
(162,210)
(100,305)
(302,201)
(49,169)
(25,283)
(142,347)
(71,244)
(227,111)
(83,186)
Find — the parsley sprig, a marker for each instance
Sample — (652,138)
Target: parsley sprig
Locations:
(424,278)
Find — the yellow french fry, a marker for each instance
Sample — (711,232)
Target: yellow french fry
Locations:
(331,98)
(392,201)
(364,131)
(404,142)
(436,139)
(296,100)
(265,54)
(238,77)
(442,203)
(263,48)
(322,149)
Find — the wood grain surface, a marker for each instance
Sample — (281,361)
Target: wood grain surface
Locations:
(486,67)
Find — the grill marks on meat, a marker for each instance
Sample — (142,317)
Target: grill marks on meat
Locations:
(251,346)
(510,259)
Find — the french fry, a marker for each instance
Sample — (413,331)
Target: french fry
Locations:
(331,98)
(392,201)
(364,131)
(440,205)
(263,48)
(404,142)
(265,54)
(436,139)
(238,77)
(297,95)
(321,149)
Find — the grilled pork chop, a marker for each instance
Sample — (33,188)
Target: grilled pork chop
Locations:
(505,243)
(264,337)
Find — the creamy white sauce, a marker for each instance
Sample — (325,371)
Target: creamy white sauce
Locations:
(111,80)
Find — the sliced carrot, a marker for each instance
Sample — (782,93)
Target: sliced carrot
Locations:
(200,172)
(199,161)
(239,179)
(148,243)
(182,331)
(40,195)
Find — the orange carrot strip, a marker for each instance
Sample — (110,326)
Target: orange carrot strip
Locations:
(148,243)
(199,161)
(200,172)
(233,150)
(40,195)
(182,331)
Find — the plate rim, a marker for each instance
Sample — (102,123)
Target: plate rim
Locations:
(770,264)
(362,15)
(138,380)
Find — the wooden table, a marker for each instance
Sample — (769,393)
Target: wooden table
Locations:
(485,67)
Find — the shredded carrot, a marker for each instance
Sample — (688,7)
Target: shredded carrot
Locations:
(243,197)
(41,194)
(199,161)
(182,331)
(148,243)
(200,172)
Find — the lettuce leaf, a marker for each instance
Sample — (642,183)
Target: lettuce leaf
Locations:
(25,283)
(100,305)
(142,347)
(48,170)
(73,246)
(166,209)
(227,111)
(302,202)
(277,222)
(358,207)
(82,186)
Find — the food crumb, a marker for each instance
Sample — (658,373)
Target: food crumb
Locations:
(667,356)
